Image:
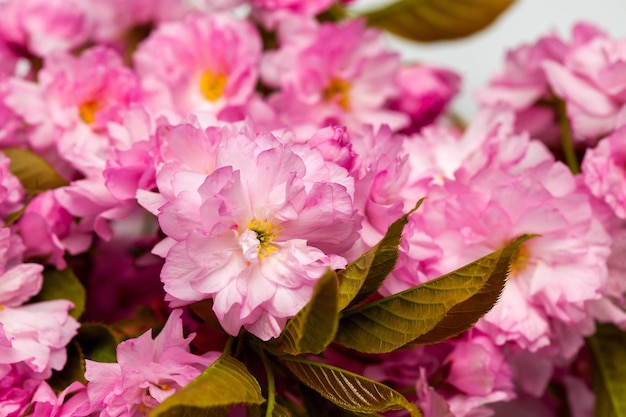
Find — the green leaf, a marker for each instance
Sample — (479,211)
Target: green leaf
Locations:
(313,328)
(435,310)
(434,20)
(144,319)
(318,406)
(34,172)
(227,382)
(364,276)
(63,285)
(608,345)
(97,342)
(280,411)
(74,369)
(348,390)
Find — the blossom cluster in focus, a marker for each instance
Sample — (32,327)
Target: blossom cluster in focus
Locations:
(219,160)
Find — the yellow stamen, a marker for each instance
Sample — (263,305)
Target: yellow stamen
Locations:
(519,262)
(212,85)
(338,91)
(88,110)
(266,232)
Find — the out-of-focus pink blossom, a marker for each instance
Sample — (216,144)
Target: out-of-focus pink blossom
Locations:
(331,74)
(72,103)
(257,233)
(11,190)
(424,94)
(206,63)
(147,371)
(48,230)
(467,374)
(587,73)
(304,7)
(40,27)
(603,171)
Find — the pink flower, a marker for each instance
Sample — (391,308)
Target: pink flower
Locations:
(72,103)
(587,73)
(555,276)
(147,371)
(16,388)
(206,63)
(304,7)
(603,171)
(424,93)
(381,172)
(41,27)
(333,142)
(331,74)
(72,401)
(38,334)
(11,191)
(91,201)
(48,230)
(257,233)
(466,373)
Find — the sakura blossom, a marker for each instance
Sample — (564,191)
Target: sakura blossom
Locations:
(207,63)
(216,192)
(256,233)
(147,371)
(331,74)
(584,73)
(75,98)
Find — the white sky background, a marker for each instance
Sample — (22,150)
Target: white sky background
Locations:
(480,56)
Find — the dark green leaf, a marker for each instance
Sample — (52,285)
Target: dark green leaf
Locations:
(364,276)
(34,172)
(434,20)
(145,319)
(608,345)
(74,369)
(227,382)
(63,285)
(313,328)
(97,342)
(348,390)
(280,411)
(448,302)
(318,406)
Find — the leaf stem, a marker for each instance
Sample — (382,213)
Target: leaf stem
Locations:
(271,384)
(566,137)
(228,346)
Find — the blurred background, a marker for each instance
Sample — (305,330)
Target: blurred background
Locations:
(480,56)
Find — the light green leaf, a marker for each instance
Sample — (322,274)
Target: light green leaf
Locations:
(348,390)
(608,345)
(395,321)
(34,172)
(313,328)
(97,342)
(63,285)
(434,20)
(227,382)
(364,276)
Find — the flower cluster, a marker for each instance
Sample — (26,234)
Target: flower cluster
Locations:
(198,167)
